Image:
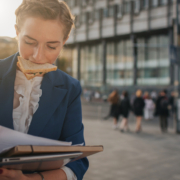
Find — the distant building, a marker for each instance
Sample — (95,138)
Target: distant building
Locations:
(121,44)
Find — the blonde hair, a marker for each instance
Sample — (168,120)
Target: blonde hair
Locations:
(48,10)
(138,93)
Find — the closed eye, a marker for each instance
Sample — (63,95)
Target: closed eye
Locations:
(29,43)
(51,47)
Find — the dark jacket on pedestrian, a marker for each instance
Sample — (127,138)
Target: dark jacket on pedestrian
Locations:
(125,107)
(138,106)
(162,104)
(115,102)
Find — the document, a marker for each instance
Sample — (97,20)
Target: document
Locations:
(10,138)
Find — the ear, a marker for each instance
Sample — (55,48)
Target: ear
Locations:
(65,40)
(16,28)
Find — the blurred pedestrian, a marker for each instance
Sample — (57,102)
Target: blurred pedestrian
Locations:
(138,106)
(125,108)
(162,110)
(149,107)
(154,96)
(146,94)
(172,106)
(114,100)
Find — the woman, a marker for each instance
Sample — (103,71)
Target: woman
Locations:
(47,106)
(125,108)
(114,109)
(138,106)
(149,107)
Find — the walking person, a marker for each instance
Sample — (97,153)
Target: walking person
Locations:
(149,107)
(138,106)
(125,108)
(162,110)
(114,100)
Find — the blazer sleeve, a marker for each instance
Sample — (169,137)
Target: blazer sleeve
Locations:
(73,130)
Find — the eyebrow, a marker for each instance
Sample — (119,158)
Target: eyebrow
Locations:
(36,40)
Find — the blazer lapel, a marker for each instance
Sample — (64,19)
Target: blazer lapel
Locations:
(52,95)
(7,94)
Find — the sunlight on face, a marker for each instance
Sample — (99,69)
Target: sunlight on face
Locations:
(7,17)
(40,41)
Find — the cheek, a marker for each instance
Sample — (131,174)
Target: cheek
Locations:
(52,56)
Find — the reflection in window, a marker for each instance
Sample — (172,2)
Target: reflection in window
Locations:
(153,60)
(91,65)
(90,17)
(145,4)
(164,72)
(83,18)
(141,50)
(105,12)
(136,6)
(163,49)
(119,11)
(111,11)
(154,3)
(97,15)
(163,2)
(119,63)
(152,53)
(127,7)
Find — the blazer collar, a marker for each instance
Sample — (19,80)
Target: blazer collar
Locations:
(7,92)
(53,92)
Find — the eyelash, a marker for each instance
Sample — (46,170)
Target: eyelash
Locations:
(48,46)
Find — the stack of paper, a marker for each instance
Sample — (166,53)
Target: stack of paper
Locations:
(10,138)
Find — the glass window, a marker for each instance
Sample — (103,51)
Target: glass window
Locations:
(145,4)
(105,12)
(83,18)
(155,70)
(76,2)
(163,47)
(111,11)
(90,1)
(90,17)
(136,6)
(164,72)
(163,2)
(154,3)
(97,15)
(91,65)
(141,50)
(77,20)
(121,55)
(127,7)
(84,2)
(129,51)
(152,52)
(119,11)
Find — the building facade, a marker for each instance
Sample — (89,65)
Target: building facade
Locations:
(121,44)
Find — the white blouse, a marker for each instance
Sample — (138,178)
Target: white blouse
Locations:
(27,94)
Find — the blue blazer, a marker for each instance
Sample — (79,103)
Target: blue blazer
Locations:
(59,114)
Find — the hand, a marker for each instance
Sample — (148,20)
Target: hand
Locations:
(6,174)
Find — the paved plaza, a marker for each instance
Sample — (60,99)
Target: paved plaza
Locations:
(149,155)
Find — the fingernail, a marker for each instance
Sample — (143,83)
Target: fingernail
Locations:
(1,171)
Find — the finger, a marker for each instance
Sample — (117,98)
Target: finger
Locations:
(10,173)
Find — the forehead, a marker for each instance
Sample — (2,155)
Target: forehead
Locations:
(41,29)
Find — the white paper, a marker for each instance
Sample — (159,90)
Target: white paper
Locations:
(10,138)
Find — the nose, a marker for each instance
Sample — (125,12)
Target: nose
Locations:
(38,54)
